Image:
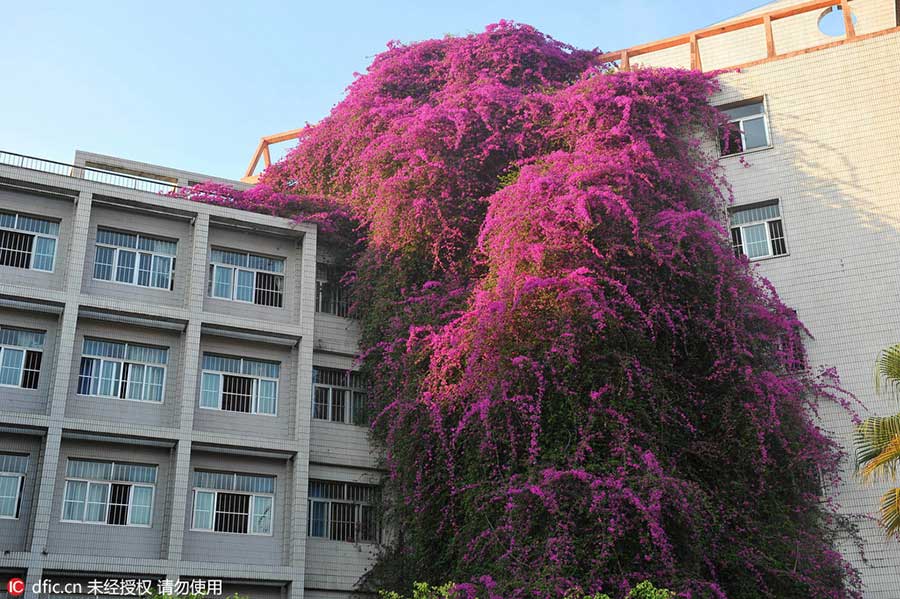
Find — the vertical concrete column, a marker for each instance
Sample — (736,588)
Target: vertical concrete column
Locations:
(303,413)
(62,378)
(191,358)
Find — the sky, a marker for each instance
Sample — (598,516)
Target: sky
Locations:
(194,84)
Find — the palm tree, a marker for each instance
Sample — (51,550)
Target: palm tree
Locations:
(877,441)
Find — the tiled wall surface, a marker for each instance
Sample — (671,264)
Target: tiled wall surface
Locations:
(834,119)
(55,422)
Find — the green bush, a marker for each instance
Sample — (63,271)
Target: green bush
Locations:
(423,590)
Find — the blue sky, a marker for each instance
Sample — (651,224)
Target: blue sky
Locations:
(194,84)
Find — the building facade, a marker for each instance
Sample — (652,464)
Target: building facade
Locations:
(815,177)
(177,396)
(177,399)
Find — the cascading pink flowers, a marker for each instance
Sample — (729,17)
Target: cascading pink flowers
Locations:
(577,385)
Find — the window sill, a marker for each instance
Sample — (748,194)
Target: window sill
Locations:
(766,258)
(239,534)
(746,152)
(140,401)
(108,524)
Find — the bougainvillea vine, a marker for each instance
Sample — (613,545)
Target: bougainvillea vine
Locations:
(577,385)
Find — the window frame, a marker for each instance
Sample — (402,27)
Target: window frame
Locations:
(349,410)
(108,484)
(122,381)
(6,346)
(138,252)
(250,506)
(763,101)
(766,225)
(339,295)
(254,397)
(357,513)
(234,268)
(35,236)
(19,492)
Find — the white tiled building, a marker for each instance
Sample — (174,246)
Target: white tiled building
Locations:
(817,199)
(176,394)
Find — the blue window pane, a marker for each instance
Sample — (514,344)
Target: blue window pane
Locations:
(125,268)
(98,494)
(756,243)
(89,376)
(44,253)
(209,397)
(141,505)
(245,283)
(11,366)
(144,270)
(154,383)
(109,379)
(267,393)
(162,272)
(317,518)
(755,135)
(222,282)
(135,381)
(76,491)
(203,510)
(103,263)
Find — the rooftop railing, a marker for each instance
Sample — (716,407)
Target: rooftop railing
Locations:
(85,172)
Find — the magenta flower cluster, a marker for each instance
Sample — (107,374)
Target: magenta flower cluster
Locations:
(576,383)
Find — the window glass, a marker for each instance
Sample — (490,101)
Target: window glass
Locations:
(109,378)
(755,135)
(317,519)
(141,505)
(9,495)
(222,282)
(154,383)
(103,263)
(162,272)
(209,397)
(144,263)
(755,241)
(98,495)
(73,503)
(136,381)
(244,290)
(11,366)
(125,267)
(739,112)
(262,515)
(267,396)
(203,510)
(44,253)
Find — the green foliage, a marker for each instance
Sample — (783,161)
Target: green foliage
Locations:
(423,590)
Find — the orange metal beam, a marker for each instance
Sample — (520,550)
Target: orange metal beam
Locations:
(752,21)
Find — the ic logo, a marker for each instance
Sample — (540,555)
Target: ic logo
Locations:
(15,587)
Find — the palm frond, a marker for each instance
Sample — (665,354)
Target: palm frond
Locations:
(873,436)
(890,511)
(885,463)
(887,369)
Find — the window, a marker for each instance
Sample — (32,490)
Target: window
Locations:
(246,278)
(27,242)
(756,231)
(109,493)
(748,128)
(20,357)
(331,295)
(122,370)
(239,385)
(13,468)
(339,396)
(134,260)
(342,511)
(232,502)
